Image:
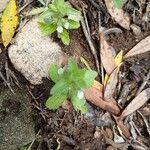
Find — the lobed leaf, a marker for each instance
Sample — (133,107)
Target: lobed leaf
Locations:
(53,73)
(79,104)
(65,37)
(73,24)
(55,101)
(60,87)
(47,29)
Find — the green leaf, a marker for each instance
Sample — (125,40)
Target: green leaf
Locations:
(53,73)
(79,104)
(58,2)
(55,101)
(72,66)
(89,77)
(118,3)
(59,88)
(65,37)
(46,15)
(47,29)
(73,24)
(36,11)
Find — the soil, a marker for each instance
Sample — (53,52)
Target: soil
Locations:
(65,128)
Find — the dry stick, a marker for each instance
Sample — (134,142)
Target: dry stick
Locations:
(1,75)
(23,7)
(10,73)
(100,30)
(88,37)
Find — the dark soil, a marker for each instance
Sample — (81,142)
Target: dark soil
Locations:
(65,127)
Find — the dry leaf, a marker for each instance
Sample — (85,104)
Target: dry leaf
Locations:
(9,22)
(106,54)
(98,86)
(105,80)
(85,62)
(120,17)
(142,47)
(94,96)
(136,103)
(111,85)
(123,128)
(118,60)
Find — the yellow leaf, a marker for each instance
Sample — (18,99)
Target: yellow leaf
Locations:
(105,80)
(118,60)
(85,62)
(97,85)
(9,22)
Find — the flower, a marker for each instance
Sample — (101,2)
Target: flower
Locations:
(59,29)
(66,25)
(80,94)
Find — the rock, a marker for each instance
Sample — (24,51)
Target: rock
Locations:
(3,4)
(32,53)
(16,124)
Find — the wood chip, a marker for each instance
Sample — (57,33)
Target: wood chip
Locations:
(118,15)
(141,48)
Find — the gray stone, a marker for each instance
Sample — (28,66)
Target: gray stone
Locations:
(32,53)
(16,124)
(3,4)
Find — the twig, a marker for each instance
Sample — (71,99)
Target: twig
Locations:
(8,84)
(100,30)
(10,73)
(88,37)
(23,7)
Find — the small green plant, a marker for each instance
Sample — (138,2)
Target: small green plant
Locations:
(70,83)
(60,17)
(118,3)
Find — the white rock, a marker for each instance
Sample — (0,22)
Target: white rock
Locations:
(3,4)
(32,53)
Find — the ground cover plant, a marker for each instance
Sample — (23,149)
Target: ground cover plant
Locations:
(70,82)
(59,17)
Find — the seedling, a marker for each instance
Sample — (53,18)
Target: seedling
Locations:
(59,17)
(70,83)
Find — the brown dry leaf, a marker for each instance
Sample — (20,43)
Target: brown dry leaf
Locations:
(98,86)
(118,15)
(136,103)
(142,47)
(111,84)
(106,54)
(94,96)
(123,128)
